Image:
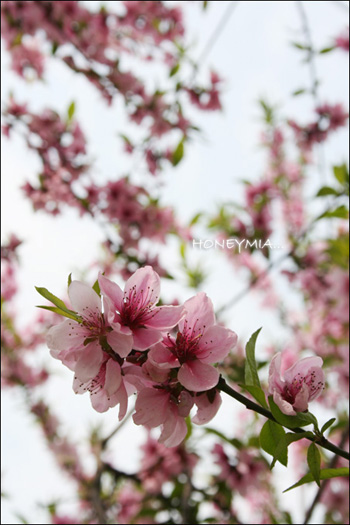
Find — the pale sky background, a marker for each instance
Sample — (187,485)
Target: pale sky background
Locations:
(255,57)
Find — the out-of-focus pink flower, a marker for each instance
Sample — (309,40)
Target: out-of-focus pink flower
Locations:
(78,344)
(134,312)
(342,41)
(160,464)
(199,343)
(301,383)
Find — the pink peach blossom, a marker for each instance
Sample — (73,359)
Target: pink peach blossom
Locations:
(78,344)
(134,313)
(301,383)
(198,344)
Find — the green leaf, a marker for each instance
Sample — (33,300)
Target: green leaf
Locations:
(174,70)
(257,393)
(326,473)
(300,420)
(196,218)
(69,280)
(341,174)
(328,424)
(340,213)
(178,153)
(298,92)
(61,312)
(301,46)
(288,439)
(326,190)
(314,462)
(326,50)
(71,110)
(183,251)
(250,371)
(56,301)
(54,47)
(96,287)
(205,5)
(272,436)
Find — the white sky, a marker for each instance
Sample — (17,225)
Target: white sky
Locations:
(254,56)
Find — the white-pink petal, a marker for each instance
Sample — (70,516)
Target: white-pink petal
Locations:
(302,367)
(275,379)
(165,317)
(88,365)
(113,377)
(206,409)
(215,344)
(162,357)
(151,405)
(66,335)
(145,282)
(84,299)
(283,405)
(174,430)
(120,343)
(144,338)
(197,376)
(198,307)
(112,291)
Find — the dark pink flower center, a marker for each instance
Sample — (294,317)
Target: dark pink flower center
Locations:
(292,390)
(186,344)
(94,322)
(138,307)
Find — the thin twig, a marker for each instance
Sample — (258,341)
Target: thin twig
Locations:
(113,433)
(332,464)
(216,33)
(321,441)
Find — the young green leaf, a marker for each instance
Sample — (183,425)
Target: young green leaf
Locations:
(71,110)
(96,287)
(288,439)
(257,393)
(326,190)
(341,174)
(272,436)
(57,302)
(328,424)
(250,371)
(61,312)
(69,279)
(178,153)
(326,473)
(314,462)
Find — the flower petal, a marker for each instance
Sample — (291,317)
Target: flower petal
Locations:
(198,307)
(151,406)
(283,405)
(301,399)
(302,367)
(206,409)
(197,376)
(88,365)
(121,343)
(275,379)
(112,291)
(145,284)
(215,344)
(162,357)
(165,317)
(144,338)
(67,335)
(84,299)
(174,430)
(113,377)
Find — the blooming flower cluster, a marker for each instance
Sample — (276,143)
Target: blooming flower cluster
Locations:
(120,343)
